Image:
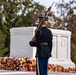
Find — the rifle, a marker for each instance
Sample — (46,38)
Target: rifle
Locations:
(44,17)
(40,24)
(33,39)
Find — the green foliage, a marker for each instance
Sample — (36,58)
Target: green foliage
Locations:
(2,40)
(3,50)
(15,13)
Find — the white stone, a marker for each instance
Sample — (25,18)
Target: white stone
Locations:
(8,72)
(19,45)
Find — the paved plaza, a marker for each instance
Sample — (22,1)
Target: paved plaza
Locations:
(5,72)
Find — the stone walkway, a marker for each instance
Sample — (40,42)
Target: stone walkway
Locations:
(5,72)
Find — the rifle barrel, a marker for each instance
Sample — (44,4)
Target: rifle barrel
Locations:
(44,17)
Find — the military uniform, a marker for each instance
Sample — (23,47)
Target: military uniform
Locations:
(43,42)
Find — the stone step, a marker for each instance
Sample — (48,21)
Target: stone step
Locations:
(6,72)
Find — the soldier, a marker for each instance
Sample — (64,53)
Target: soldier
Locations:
(43,41)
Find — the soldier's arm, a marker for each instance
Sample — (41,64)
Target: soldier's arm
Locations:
(35,40)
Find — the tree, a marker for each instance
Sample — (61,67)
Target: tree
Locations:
(68,22)
(16,13)
(3,49)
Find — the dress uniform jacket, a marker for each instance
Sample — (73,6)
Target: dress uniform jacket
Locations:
(43,42)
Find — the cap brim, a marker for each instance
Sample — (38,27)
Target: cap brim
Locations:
(46,18)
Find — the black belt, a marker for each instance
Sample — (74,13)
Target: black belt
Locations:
(45,43)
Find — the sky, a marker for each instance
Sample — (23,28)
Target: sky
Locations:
(48,3)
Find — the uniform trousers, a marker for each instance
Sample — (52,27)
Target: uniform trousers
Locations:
(43,63)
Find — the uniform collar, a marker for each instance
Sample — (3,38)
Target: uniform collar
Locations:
(43,26)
